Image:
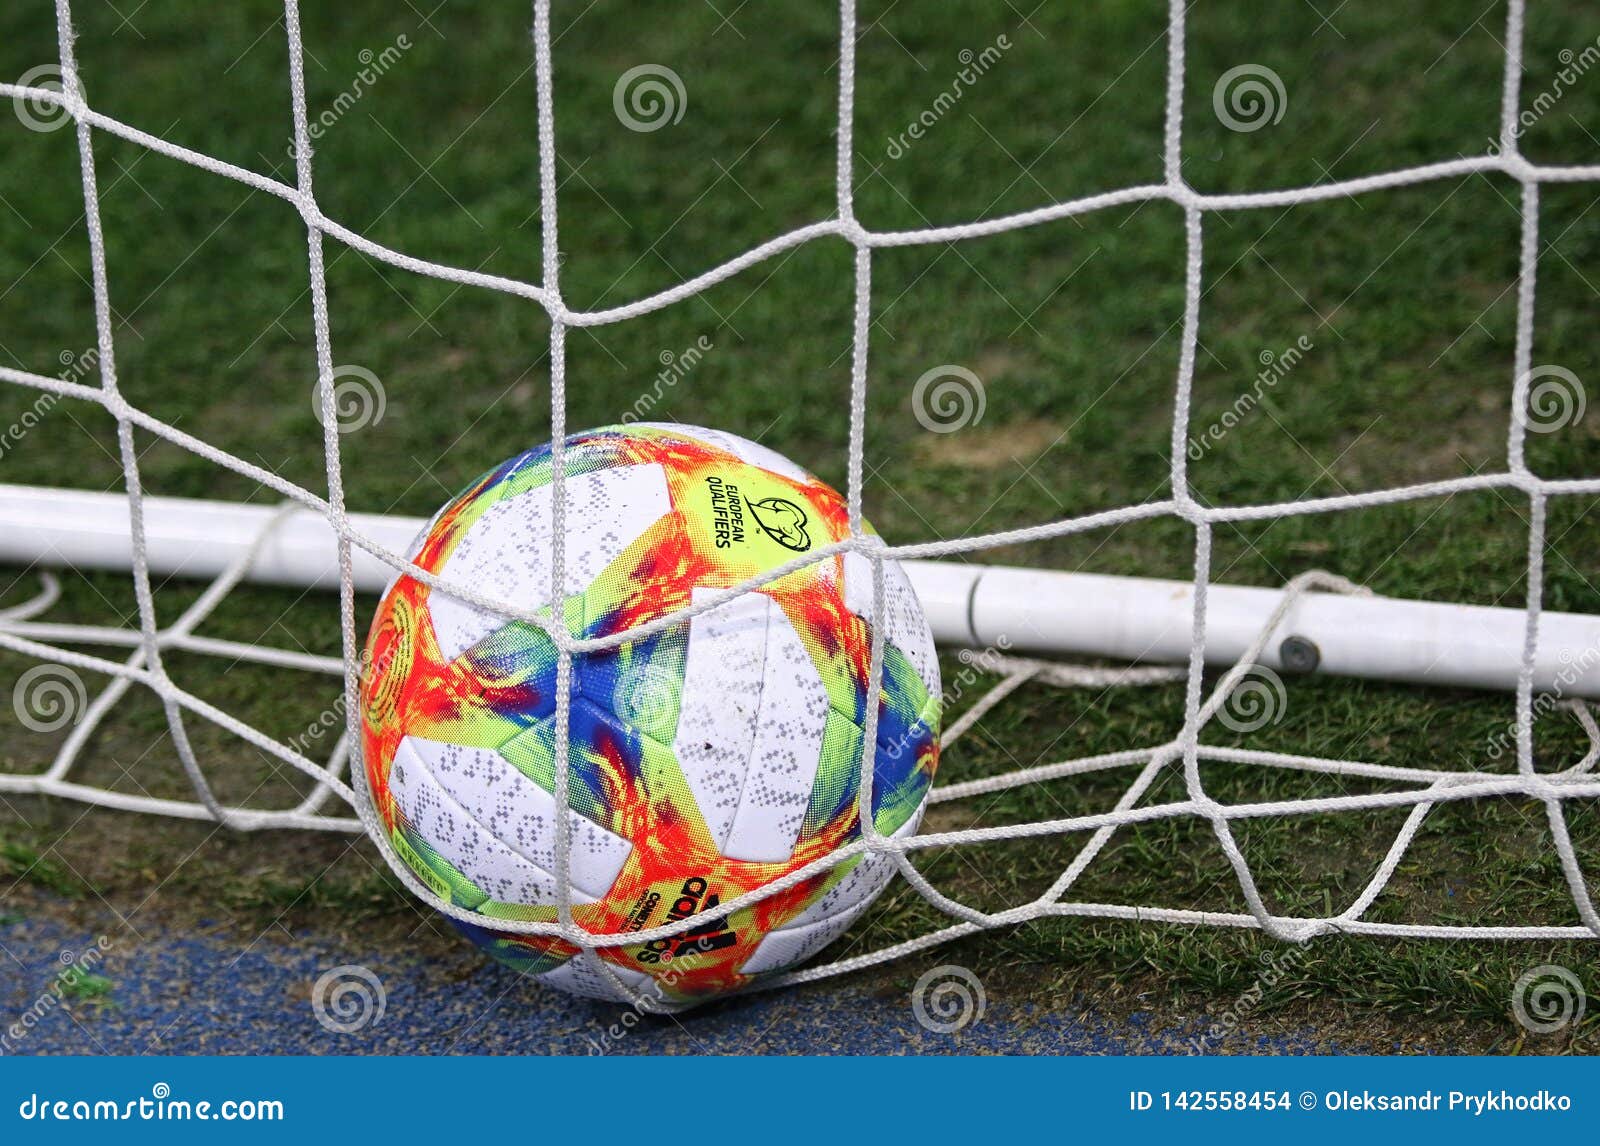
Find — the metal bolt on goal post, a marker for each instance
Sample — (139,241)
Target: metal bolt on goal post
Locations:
(1299,654)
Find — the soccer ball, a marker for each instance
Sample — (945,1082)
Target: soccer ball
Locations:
(705,761)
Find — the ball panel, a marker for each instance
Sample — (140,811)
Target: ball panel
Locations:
(641,682)
(908,744)
(529,956)
(507,553)
(492,868)
(583,975)
(782,766)
(833,796)
(787,946)
(610,767)
(907,753)
(854,884)
(721,704)
(500,686)
(510,834)
(442,878)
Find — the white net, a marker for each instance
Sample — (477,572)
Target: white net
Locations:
(1416,791)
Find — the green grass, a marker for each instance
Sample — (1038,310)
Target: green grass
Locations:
(23,864)
(1407,299)
(86,987)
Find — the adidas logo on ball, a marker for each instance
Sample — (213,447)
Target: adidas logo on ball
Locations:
(712,935)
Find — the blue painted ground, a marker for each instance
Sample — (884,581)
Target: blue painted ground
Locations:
(207,995)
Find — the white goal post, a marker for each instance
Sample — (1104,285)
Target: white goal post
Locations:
(1123,619)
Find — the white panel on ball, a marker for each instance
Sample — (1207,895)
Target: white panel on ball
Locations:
(583,976)
(750,729)
(506,553)
(495,824)
(787,751)
(720,703)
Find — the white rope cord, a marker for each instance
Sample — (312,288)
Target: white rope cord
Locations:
(22,632)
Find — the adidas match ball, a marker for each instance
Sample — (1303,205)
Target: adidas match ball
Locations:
(705,761)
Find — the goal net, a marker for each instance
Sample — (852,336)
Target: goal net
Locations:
(1125,633)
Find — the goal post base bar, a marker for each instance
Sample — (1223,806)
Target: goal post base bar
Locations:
(1132,619)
